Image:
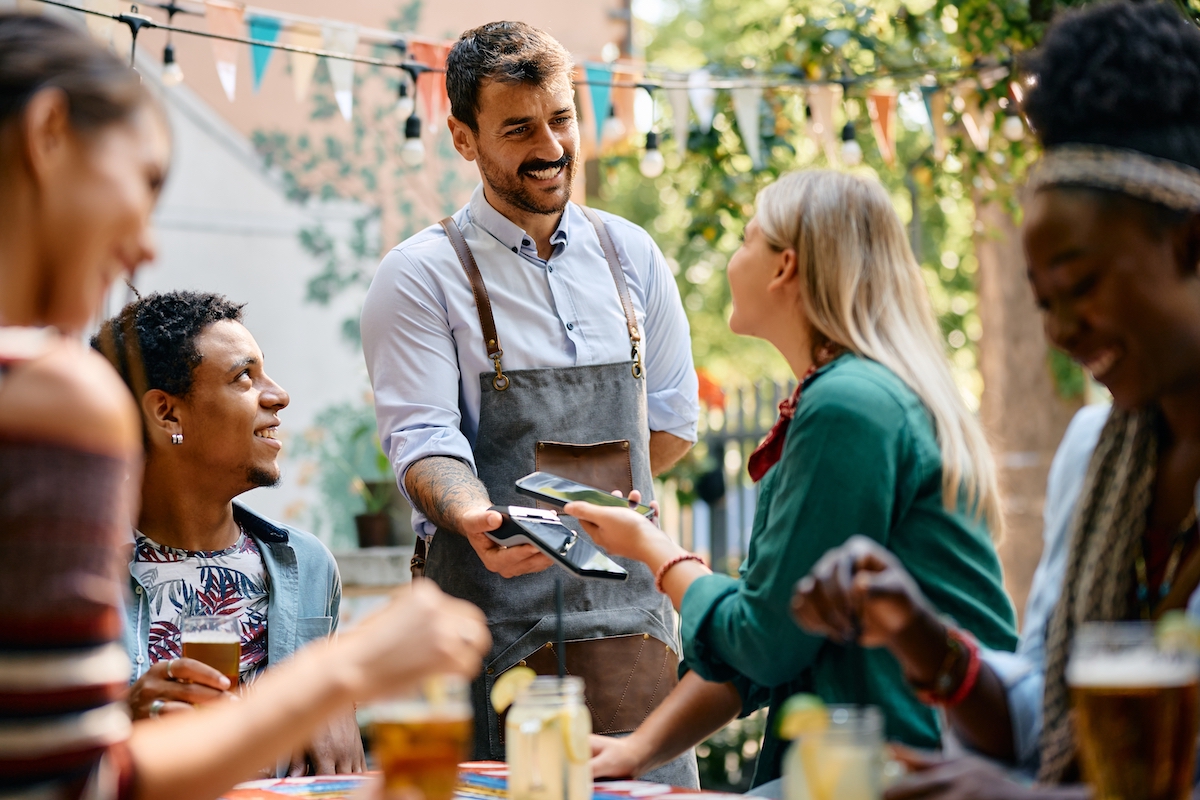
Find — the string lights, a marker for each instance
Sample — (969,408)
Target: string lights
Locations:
(652,164)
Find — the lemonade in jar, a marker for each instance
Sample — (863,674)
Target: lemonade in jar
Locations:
(546,741)
(837,752)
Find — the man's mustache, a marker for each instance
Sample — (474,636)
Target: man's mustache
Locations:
(538,166)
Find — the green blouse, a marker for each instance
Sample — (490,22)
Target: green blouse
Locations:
(860,457)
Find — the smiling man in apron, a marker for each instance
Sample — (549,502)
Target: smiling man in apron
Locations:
(528,333)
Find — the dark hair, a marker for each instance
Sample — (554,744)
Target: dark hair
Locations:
(1119,74)
(152,342)
(37,52)
(509,52)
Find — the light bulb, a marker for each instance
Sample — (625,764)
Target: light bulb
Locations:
(614,129)
(852,154)
(405,105)
(1013,128)
(652,164)
(172,74)
(412,152)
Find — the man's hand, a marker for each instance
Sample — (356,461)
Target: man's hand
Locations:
(336,749)
(180,683)
(507,562)
(447,492)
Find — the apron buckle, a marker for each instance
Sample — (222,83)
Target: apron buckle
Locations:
(500,382)
(636,355)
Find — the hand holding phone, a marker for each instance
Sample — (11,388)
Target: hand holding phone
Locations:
(545,531)
(557,492)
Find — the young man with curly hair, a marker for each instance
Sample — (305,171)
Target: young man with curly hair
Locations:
(210,414)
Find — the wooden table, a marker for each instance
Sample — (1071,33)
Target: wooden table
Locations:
(478,780)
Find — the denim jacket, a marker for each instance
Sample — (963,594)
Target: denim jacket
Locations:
(306,592)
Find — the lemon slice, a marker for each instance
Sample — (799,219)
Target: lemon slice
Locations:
(509,685)
(577,728)
(801,714)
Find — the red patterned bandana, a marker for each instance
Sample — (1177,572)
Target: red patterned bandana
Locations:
(767,454)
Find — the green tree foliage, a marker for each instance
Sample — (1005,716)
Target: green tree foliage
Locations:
(698,208)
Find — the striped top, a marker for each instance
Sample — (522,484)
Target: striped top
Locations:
(64,518)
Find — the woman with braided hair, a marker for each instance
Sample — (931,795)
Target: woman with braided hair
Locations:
(1112,237)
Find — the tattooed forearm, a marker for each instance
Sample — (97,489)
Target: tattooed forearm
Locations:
(442,488)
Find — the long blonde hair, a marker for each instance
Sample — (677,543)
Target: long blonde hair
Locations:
(863,290)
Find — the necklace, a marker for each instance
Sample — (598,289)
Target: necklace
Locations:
(1164,588)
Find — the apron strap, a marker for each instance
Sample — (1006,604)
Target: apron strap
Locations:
(482,302)
(614,266)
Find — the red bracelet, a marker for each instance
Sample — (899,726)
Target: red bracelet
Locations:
(662,571)
(959,640)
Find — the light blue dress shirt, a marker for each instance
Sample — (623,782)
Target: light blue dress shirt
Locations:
(424,344)
(1023,672)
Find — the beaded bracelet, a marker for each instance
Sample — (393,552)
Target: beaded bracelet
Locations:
(662,571)
(943,692)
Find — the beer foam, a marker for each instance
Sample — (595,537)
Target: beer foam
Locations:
(1135,668)
(211,637)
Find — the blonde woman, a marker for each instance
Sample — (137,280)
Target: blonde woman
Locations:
(877,441)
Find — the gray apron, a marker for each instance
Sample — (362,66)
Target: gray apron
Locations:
(519,410)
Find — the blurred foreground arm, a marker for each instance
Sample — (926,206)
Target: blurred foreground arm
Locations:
(197,756)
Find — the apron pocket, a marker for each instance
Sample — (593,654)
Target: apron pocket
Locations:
(603,465)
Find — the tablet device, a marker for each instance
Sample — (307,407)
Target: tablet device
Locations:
(543,530)
(555,491)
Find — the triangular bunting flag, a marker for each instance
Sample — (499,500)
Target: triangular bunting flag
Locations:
(881,107)
(822,99)
(432,85)
(341,39)
(599,81)
(680,124)
(746,105)
(976,121)
(703,97)
(226,19)
(264,29)
(935,107)
(303,64)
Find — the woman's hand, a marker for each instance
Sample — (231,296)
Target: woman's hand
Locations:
(180,683)
(616,757)
(932,777)
(624,532)
(419,633)
(859,592)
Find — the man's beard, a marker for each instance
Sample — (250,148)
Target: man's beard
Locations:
(512,190)
(261,478)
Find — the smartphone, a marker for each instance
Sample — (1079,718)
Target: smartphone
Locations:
(543,530)
(557,492)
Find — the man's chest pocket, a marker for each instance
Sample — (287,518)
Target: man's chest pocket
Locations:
(311,628)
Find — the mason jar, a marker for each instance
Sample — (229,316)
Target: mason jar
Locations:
(546,741)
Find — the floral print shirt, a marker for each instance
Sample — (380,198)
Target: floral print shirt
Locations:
(182,583)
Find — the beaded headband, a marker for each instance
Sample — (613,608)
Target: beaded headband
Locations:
(1158,180)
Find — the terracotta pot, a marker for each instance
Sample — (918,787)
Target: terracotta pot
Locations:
(374,530)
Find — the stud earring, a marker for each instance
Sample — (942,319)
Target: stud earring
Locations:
(176,438)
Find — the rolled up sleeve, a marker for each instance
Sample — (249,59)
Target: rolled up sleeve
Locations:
(671,384)
(413,365)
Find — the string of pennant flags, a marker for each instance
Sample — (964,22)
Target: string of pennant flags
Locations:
(422,63)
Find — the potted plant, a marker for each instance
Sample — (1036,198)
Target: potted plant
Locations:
(374,525)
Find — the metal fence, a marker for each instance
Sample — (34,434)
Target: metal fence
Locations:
(709,500)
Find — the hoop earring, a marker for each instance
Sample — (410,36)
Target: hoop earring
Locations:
(176,438)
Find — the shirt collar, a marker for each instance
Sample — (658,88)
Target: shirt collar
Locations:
(508,233)
(259,527)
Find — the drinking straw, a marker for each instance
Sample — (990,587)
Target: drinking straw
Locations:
(558,609)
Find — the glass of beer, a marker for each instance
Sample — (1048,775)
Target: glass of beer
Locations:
(418,740)
(842,762)
(216,641)
(546,741)
(1135,712)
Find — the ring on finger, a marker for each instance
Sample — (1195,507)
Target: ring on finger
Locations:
(170,664)
(156,707)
